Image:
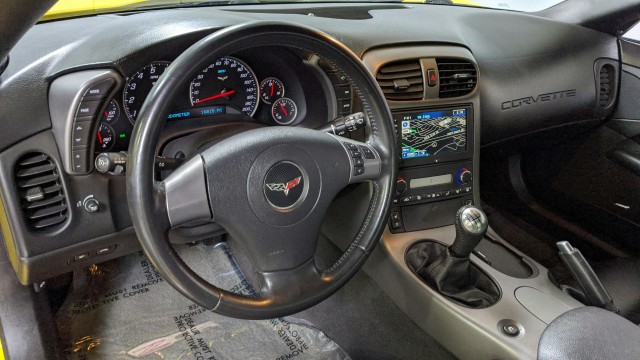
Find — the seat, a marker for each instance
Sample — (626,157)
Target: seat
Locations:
(621,277)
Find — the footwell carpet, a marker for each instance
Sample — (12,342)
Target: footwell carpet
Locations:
(124,309)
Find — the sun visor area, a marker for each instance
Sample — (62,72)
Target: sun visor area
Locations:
(123,309)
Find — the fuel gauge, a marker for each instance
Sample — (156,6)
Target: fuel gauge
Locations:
(284,111)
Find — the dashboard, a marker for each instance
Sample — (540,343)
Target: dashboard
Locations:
(80,96)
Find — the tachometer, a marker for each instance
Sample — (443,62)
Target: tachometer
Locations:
(228,81)
(138,87)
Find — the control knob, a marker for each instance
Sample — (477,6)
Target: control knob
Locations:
(464,177)
(401,186)
(92,205)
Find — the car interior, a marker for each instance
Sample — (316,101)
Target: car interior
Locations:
(241,179)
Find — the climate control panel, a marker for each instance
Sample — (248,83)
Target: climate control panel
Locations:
(428,196)
(433,183)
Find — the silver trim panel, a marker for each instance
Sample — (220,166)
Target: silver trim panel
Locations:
(186,195)
(448,322)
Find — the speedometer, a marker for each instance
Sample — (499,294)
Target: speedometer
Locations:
(228,81)
(138,87)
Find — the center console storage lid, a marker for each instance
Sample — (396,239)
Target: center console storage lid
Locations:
(588,333)
(542,305)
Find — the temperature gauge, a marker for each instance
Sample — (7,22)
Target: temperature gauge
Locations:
(284,111)
(271,89)
(105,138)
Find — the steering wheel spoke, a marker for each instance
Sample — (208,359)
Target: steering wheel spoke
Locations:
(185,193)
(364,161)
(291,284)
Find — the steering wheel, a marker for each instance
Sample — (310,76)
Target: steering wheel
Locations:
(269,187)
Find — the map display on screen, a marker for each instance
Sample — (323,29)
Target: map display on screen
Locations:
(433,133)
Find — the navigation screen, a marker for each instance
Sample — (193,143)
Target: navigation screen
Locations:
(433,133)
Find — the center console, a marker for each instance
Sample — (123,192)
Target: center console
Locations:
(491,295)
(436,167)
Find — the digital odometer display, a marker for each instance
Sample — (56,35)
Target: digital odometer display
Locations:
(432,133)
(228,81)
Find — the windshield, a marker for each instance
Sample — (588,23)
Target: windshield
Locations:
(71,8)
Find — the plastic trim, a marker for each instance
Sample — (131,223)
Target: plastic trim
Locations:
(376,58)
(65,95)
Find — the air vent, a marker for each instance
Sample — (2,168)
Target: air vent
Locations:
(401,80)
(606,84)
(39,188)
(457,77)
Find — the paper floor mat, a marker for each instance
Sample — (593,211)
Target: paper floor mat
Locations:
(123,309)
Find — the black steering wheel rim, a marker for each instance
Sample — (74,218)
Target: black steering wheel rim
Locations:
(146,196)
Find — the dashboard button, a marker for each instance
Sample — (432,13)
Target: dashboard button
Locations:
(432,78)
(99,90)
(338,78)
(79,161)
(368,154)
(105,250)
(395,215)
(343,92)
(351,146)
(84,119)
(396,224)
(89,108)
(356,154)
(81,134)
(358,162)
(344,107)
(358,171)
(81,257)
(511,330)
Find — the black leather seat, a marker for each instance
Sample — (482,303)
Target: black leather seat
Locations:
(621,277)
(590,333)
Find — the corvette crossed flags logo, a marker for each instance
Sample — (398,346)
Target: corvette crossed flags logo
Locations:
(284,187)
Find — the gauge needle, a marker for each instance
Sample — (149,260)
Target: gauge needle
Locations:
(286,113)
(272,86)
(100,137)
(217,96)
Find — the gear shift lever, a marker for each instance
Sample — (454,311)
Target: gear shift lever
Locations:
(449,270)
(471,226)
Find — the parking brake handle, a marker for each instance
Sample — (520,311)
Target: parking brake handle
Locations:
(592,288)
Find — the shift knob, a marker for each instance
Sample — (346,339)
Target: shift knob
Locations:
(471,226)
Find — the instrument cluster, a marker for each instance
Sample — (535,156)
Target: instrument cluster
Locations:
(227,88)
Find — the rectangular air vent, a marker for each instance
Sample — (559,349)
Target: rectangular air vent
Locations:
(607,75)
(401,80)
(43,202)
(457,77)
